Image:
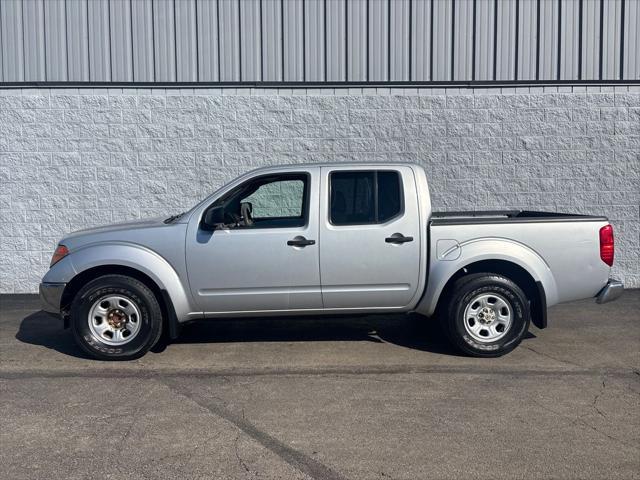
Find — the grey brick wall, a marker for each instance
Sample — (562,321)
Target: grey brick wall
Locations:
(74,158)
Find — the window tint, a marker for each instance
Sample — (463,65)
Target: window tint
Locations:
(277,199)
(364,197)
(389,196)
(269,201)
(352,198)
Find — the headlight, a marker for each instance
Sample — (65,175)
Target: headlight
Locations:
(59,254)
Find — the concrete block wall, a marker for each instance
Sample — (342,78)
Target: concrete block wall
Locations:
(74,158)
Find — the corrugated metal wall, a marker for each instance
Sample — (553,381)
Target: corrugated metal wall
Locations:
(318,40)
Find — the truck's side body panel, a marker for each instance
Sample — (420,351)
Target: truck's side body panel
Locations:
(153,248)
(360,269)
(563,256)
(240,271)
(356,277)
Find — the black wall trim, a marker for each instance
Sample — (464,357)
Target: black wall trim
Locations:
(309,84)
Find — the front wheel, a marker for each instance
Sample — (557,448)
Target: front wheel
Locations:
(486,315)
(115,317)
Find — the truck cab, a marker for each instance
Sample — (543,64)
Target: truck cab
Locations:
(308,240)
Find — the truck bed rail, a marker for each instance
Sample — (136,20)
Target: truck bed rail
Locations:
(507,216)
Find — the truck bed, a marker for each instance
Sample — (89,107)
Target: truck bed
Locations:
(507,216)
(564,246)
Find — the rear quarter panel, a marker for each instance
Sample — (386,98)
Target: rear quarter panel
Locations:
(564,256)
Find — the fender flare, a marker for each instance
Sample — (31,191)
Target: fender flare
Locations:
(472,251)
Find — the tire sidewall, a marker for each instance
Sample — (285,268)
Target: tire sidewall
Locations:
(517,302)
(123,286)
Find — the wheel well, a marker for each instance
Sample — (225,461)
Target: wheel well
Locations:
(74,286)
(532,289)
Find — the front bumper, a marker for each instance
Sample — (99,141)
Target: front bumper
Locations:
(51,296)
(612,290)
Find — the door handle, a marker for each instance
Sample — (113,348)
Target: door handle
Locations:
(300,242)
(398,238)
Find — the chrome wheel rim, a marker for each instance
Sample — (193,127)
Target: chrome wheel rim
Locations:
(488,317)
(114,319)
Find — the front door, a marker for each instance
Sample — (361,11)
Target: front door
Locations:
(265,255)
(370,255)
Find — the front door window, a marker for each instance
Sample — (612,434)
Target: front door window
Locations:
(267,202)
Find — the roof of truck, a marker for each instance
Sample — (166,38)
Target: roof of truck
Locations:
(340,164)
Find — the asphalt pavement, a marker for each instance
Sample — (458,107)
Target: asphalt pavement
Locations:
(335,398)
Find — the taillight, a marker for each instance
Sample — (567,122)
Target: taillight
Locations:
(58,255)
(606,244)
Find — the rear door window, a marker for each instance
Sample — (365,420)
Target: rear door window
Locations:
(364,197)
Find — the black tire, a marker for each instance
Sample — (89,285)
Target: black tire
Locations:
(149,329)
(466,289)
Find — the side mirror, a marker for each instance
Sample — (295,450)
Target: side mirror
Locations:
(213,218)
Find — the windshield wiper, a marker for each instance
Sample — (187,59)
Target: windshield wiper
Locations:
(173,218)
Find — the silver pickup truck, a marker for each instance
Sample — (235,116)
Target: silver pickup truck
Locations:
(327,239)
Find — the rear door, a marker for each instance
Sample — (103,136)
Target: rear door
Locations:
(370,238)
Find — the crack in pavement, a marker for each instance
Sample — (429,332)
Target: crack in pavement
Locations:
(579,420)
(295,458)
(236,450)
(598,395)
(546,355)
(242,463)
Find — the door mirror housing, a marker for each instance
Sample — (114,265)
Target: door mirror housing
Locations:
(213,218)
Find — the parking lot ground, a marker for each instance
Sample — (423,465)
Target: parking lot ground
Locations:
(335,398)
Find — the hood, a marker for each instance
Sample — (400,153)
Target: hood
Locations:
(115,228)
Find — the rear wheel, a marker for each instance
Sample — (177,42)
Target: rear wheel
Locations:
(486,315)
(115,317)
